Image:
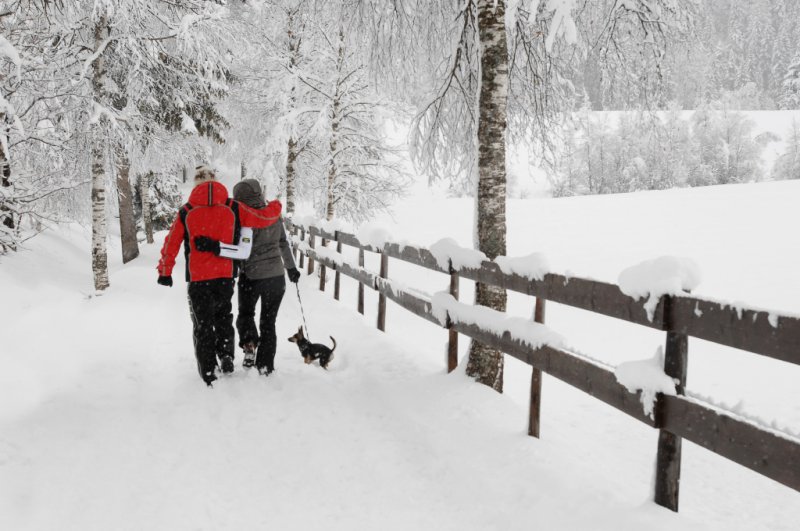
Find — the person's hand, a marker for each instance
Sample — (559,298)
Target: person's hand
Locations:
(206,245)
(165,280)
(294,274)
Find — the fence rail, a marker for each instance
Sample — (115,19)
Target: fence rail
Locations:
(770,453)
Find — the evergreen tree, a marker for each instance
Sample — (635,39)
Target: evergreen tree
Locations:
(790,89)
(788,164)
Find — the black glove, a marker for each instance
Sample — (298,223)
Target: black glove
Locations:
(165,280)
(294,274)
(207,245)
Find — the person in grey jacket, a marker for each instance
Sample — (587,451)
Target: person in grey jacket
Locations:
(261,277)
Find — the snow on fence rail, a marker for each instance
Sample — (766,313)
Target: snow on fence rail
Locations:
(770,453)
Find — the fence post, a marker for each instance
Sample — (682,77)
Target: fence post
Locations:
(668,460)
(302,255)
(536,381)
(322,269)
(360,285)
(337,275)
(452,344)
(310,244)
(381,297)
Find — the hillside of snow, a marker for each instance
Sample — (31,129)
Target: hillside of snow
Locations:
(104,423)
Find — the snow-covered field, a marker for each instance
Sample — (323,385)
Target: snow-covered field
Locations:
(527,180)
(104,423)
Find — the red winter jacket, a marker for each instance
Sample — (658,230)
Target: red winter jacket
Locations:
(211,213)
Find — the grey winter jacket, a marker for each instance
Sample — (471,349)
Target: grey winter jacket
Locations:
(271,253)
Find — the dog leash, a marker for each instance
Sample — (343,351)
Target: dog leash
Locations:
(308,336)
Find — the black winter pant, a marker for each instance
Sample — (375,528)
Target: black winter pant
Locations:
(270,291)
(210,305)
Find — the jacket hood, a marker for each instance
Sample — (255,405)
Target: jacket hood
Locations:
(249,192)
(208,193)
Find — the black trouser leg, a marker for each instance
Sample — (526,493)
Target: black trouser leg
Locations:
(246,319)
(272,291)
(201,307)
(223,318)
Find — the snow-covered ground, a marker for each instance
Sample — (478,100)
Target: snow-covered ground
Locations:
(740,236)
(104,423)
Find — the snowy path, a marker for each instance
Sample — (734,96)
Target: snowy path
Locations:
(111,428)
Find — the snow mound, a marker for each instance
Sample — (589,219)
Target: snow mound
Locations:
(326,253)
(528,332)
(399,288)
(187,124)
(304,221)
(648,377)
(447,251)
(373,235)
(334,225)
(534,266)
(666,275)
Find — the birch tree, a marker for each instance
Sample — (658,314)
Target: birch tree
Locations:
(127,221)
(495,70)
(180,79)
(37,117)
(98,137)
(268,104)
(295,27)
(305,100)
(147,206)
(358,176)
(486,363)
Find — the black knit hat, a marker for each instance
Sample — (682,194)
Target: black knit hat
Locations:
(249,192)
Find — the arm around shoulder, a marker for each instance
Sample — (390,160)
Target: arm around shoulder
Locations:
(260,218)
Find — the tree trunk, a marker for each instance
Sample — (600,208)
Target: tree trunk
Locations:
(6,206)
(331,180)
(486,364)
(291,156)
(330,195)
(335,119)
(147,214)
(6,213)
(5,164)
(127,222)
(292,148)
(99,222)
(332,146)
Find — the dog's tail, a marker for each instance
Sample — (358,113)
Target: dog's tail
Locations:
(334,343)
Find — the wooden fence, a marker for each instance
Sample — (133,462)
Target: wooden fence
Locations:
(764,450)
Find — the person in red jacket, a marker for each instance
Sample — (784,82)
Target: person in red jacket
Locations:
(210,215)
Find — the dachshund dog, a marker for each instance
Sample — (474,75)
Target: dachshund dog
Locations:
(313,351)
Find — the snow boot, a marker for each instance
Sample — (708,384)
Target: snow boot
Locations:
(227,364)
(265,371)
(209,378)
(249,355)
